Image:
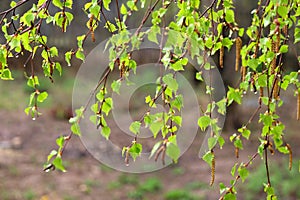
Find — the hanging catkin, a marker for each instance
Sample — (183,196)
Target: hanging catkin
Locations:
(238,47)
(213,168)
(221,58)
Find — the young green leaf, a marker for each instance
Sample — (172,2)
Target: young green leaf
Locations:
(135,150)
(204,122)
(173,151)
(135,127)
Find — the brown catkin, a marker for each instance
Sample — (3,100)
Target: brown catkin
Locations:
(271,148)
(298,106)
(238,47)
(290,156)
(221,58)
(261,94)
(93,35)
(243,73)
(285,30)
(275,89)
(237,150)
(213,168)
(273,62)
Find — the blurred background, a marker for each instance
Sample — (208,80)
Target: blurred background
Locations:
(25,144)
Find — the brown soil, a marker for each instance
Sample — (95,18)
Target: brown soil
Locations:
(24,145)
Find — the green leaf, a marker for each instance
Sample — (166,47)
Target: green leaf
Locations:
(80,55)
(51,154)
(221,106)
(57,3)
(199,76)
(221,141)
(253,63)
(177,120)
(76,129)
(212,141)
(123,10)
(226,42)
(115,86)
(42,97)
(229,196)
(135,150)
(171,82)
(60,141)
(155,148)
(12,4)
(57,162)
(284,48)
(177,102)
(173,151)
(95,9)
(229,16)
(6,74)
(69,3)
(262,80)
(233,170)
(107,105)
(203,122)
(95,107)
(208,157)
(243,172)
(135,127)
(106,4)
(155,127)
(28,18)
(68,56)
(105,132)
(282,11)
(234,95)
(152,35)
(33,82)
(238,143)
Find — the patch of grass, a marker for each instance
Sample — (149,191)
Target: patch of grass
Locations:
(114,185)
(5,194)
(68,197)
(136,195)
(179,195)
(125,179)
(29,195)
(196,185)
(151,185)
(178,171)
(285,183)
(13,170)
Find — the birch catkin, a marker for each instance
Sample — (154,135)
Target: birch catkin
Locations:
(221,58)
(243,73)
(238,47)
(213,169)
